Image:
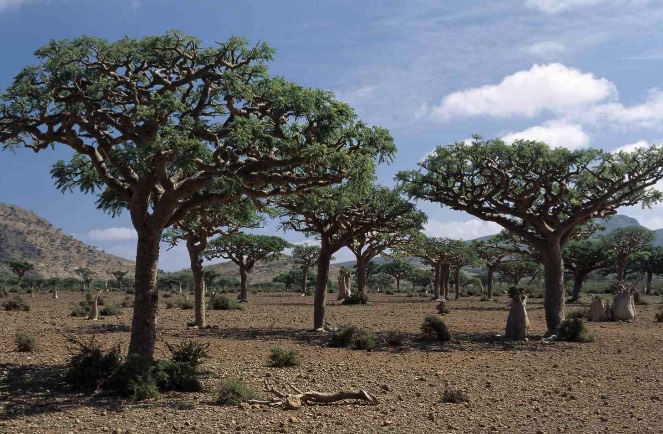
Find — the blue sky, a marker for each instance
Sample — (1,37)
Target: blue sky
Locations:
(573,73)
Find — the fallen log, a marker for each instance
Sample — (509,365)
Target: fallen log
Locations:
(299,399)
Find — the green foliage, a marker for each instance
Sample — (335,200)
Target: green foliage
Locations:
(91,367)
(185,304)
(142,387)
(442,308)
(15,303)
(80,311)
(234,392)
(110,310)
(659,316)
(356,298)
(19,268)
(224,303)
(25,342)
(283,358)
(353,337)
(454,396)
(582,313)
(434,329)
(189,351)
(516,292)
(173,375)
(574,330)
(246,249)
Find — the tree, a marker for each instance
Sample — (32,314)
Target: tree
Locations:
(293,278)
(538,193)
(517,269)
(398,268)
(441,254)
(19,268)
(86,275)
(305,256)
(625,242)
(419,277)
(397,222)
(461,256)
(245,250)
(651,263)
(582,257)
(119,276)
(163,125)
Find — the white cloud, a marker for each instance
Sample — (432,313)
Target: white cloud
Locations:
(557,6)
(465,230)
(552,88)
(546,49)
(632,146)
(112,234)
(648,114)
(554,133)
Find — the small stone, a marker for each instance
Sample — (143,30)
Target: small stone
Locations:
(293,419)
(385,387)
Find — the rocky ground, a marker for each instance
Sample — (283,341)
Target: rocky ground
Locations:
(613,384)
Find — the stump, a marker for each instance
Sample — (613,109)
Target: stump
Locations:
(55,294)
(344,284)
(518,322)
(94,310)
(623,307)
(598,311)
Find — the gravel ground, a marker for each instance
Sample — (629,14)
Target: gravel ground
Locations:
(613,384)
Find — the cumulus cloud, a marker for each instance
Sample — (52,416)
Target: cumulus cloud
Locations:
(546,49)
(554,133)
(551,88)
(112,234)
(648,114)
(465,230)
(557,6)
(633,146)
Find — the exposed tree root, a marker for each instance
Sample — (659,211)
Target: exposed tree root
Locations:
(298,399)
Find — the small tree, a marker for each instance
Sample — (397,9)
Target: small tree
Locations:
(397,268)
(293,278)
(19,268)
(650,263)
(305,256)
(245,250)
(517,269)
(625,242)
(86,275)
(582,257)
(119,276)
(538,193)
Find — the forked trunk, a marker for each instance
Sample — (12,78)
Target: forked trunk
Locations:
(198,282)
(489,284)
(146,298)
(320,297)
(553,275)
(244,285)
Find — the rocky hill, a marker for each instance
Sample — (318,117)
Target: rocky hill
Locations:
(27,237)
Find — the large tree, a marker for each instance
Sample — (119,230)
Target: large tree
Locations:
(582,257)
(155,122)
(306,256)
(625,242)
(245,250)
(19,268)
(538,193)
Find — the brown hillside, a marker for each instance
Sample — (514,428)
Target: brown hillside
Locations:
(28,237)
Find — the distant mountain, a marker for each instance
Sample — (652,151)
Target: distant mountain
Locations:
(25,236)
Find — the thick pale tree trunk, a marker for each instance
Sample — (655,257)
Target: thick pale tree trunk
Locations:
(146,298)
(490,280)
(361,273)
(436,282)
(553,276)
(650,276)
(244,285)
(320,297)
(198,281)
(457,284)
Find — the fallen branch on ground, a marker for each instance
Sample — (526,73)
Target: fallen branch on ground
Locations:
(299,398)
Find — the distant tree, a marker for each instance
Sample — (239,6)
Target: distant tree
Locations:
(245,250)
(494,251)
(518,269)
(119,276)
(209,276)
(462,256)
(625,242)
(538,193)
(86,275)
(397,268)
(650,263)
(581,257)
(19,268)
(380,281)
(293,278)
(305,256)
(154,122)
(419,277)
(442,254)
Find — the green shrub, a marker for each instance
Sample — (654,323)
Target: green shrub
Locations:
(16,303)
(185,304)
(637,299)
(454,396)
(394,339)
(434,329)
(225,303)
(574,330)
(142,387)
(389,292)
(353,337)
(127,303)
(91,367)
(189,351)
(659,316)
(282,358)
(178,376)
(357,298)
(25,342)
(233,392)
(442,308)
(110,310)
(582,313)
(80,311)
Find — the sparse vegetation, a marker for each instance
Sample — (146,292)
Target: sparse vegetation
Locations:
(356,298)
(16,304)
(353,337)
(574,330)
(283,358)
(110,310)
(189,351)
(454,396)
(224,303)
(185,304)
(25,342)
(434,329)
(91,367)
(233,392)
(442,308)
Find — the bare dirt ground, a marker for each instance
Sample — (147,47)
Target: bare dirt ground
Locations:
(614,384)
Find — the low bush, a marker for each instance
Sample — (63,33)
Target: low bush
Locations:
(582,313)
(110,310)
(637,299)
(91,367)
(434,329)
(178,376)
(225,303)
(394,339)
(80,311)
(353,337)
(185,304)
(389,292)
(16,304)
(127,303)
(659,316)
(25,342)
(282,358)
(442,308)
(574,330)
(356,298)
(234,392)
(454,396)
(189,351)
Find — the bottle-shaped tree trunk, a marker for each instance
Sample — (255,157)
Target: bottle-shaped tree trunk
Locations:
(553,276)
(517,322)
(55,294)
(578,279)
(361,274)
